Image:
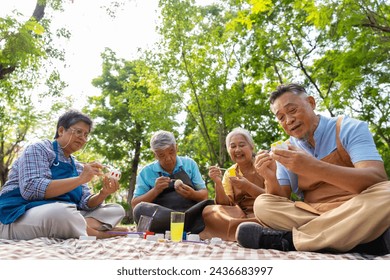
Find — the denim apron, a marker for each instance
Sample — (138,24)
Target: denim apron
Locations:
(13,205)
(171,199)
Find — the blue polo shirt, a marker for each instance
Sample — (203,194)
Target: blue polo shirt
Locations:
(355,137)
(149,174)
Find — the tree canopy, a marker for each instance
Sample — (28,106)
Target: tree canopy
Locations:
(212,71)
(25,47)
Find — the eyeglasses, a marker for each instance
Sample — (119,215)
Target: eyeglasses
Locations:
(79,133)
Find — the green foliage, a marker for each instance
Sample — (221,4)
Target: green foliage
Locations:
(131,106)
(210,74)
(340,50)
(16,119)
(25,48)
(223,58)
(21,43)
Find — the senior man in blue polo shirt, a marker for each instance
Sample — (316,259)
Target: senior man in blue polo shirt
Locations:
(170,183)
(334,162)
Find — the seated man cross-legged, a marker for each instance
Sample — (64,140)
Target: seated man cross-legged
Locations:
(335,163)
(156,193)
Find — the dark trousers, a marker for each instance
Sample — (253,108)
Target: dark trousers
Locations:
(162,219)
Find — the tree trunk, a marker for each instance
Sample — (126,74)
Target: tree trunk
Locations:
(39,11)
(133,177)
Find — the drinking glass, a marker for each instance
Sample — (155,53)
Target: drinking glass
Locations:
(177,226)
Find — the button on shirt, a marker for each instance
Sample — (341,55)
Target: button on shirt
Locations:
(148,175)
(31,172)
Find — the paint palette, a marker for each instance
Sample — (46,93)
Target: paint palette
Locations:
(232,172)
(113,172)
(279,145)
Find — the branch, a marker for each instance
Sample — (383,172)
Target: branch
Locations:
(39,11)
(303,68)
(6,70)
(193,87)
(377,27)
(373,22)
(37,15)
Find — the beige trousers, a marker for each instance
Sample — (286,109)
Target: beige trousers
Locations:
(359,220)
(59,220)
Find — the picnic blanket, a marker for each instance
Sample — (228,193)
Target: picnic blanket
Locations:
(124,248)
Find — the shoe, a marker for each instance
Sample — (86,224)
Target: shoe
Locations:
(378,247)
(386,242)
(254,236)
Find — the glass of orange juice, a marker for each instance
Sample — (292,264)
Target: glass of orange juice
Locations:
(177,226)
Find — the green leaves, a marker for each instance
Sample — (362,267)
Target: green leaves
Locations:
(219,54)
(212,75)
(213,69)
(131,106)
(34,26)
(261,6)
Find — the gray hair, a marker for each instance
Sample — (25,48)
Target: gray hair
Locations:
(243,132)
(282,89)
(161,140)
(71,117)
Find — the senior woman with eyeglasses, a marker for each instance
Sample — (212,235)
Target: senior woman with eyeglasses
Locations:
(47,195)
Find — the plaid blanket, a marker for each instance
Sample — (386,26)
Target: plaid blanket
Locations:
(123,248)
